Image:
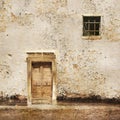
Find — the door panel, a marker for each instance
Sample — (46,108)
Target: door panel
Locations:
(41,81)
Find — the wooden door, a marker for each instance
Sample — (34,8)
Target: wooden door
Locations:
(41,82)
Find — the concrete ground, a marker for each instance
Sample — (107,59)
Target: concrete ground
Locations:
(70,111)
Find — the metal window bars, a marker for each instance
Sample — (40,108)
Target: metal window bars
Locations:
(91,26)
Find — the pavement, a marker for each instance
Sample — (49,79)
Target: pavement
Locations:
(66,111)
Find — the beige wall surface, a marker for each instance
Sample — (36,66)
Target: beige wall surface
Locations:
(84,66)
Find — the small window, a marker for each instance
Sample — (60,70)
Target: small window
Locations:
(91,25)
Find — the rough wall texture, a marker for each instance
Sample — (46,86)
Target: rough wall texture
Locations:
(84,67)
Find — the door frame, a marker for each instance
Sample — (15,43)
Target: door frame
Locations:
(40,57)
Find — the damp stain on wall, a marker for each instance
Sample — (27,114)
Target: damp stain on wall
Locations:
(12,100)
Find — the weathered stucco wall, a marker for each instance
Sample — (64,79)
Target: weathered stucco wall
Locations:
(84,67)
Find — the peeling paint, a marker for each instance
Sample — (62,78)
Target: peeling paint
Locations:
(5,72)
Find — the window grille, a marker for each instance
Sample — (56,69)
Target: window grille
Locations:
(91,25)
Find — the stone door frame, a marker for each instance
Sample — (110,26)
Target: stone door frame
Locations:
(40,57)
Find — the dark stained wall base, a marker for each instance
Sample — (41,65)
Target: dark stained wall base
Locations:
(91,99)
(13,100)
(20,100)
